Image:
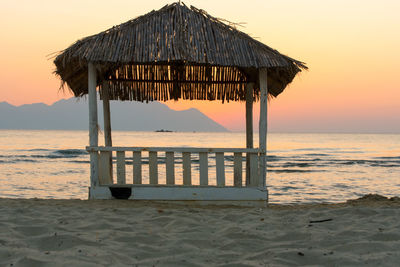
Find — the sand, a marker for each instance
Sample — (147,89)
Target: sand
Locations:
(126,233)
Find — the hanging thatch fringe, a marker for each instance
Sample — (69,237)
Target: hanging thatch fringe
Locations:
(170,82)
(175,52)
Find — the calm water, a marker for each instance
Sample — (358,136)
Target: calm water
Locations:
(301,167)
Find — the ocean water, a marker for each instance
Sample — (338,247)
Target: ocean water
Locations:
(302,168)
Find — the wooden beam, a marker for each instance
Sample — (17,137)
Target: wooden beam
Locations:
(249,126)
(93,130)
(175,81)
(175,149)
(263,126)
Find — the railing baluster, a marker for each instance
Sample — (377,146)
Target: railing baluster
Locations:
(237,169)
(105,168)
(170,167)
(219,158)
(187,170)
(137,167)
(203,168)
(153,167)
(105,175)
(253,169)
(121,178)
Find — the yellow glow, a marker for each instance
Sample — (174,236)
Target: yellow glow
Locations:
(351,47)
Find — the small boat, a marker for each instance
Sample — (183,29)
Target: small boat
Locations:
(163,131)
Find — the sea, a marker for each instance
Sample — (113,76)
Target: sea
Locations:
(301,167)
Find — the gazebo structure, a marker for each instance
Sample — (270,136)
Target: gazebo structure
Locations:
(176,53)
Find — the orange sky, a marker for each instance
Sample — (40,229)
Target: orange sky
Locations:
(351,48)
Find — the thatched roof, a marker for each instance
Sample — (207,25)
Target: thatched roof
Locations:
(175,52)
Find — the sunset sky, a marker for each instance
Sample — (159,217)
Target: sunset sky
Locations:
(351,47)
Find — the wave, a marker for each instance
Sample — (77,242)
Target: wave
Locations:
(59,154)
(80,161)
(71,152)
(317,154)
(294,170)
(299,164)
(317,162)
(389,158)
(316,149)
(302,162)
(372,163)
(13,161)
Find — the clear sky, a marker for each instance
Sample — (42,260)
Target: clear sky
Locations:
(351,48)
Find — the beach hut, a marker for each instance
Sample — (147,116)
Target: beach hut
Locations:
(177,52)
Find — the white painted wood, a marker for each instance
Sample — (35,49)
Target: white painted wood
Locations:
(93,130)
(170,168)
(263,126)
(94,168)
(121,172)
(153,167)
(100,192)
(104,168)
(237,169)
(137,167)
(249,126)
(220,165)
(253,169)
(92,84)
(203,161)
(174,149)
(187,169)
(198,193)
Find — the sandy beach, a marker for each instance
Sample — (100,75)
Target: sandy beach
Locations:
(38,232)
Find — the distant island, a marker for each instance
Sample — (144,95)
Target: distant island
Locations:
(72,114)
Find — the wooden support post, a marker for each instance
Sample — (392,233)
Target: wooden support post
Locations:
(107,131)
(203,160)
(263,127)
(106,115)
(93,130)
(237,169)
(153,167)
(137,167)
(220,163)
(249,126)
(170,167)
(187,169)
(121,175)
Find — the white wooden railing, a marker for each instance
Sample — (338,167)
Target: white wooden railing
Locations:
(170,155)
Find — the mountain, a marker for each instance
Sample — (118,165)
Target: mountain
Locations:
(73,114)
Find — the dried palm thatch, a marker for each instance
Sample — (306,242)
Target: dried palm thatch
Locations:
(173,53)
